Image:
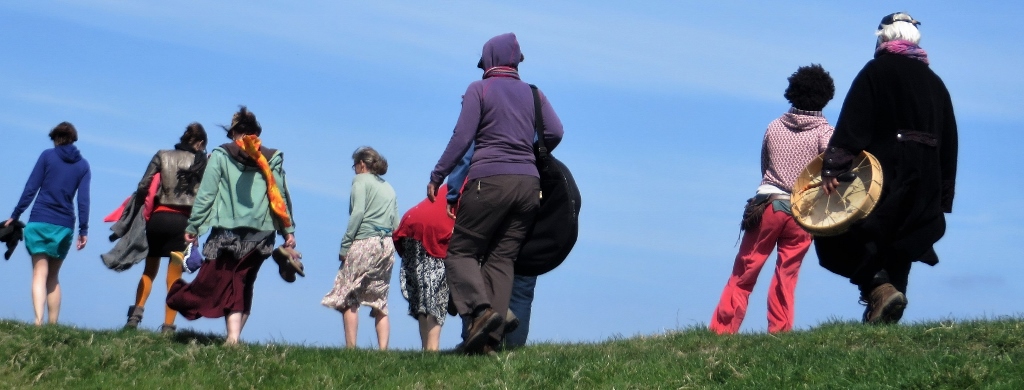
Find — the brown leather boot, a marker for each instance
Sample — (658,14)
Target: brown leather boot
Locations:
(885,305)
(480,329)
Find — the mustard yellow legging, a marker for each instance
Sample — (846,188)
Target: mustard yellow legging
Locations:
(174,271)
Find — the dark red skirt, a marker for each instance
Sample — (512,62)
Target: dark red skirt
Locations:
(223,286)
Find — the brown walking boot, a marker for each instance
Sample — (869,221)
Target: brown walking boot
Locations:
(134,317)
(480,329)
(885,305)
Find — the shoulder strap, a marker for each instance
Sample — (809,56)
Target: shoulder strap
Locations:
(538,123)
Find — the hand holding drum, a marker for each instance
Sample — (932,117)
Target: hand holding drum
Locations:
(830,214)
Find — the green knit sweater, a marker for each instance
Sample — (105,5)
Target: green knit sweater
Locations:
(233,195)
(372,210)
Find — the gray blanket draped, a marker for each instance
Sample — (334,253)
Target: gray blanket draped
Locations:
(130,234)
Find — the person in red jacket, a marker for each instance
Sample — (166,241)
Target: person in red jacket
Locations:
(422,242)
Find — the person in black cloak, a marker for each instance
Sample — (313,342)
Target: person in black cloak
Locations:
(899,110)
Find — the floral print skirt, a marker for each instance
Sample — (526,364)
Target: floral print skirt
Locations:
(364,277)
(423,281)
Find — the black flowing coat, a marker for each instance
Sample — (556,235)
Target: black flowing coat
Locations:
(900,111)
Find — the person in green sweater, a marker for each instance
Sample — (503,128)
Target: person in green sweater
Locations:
(367,251)
(243,201)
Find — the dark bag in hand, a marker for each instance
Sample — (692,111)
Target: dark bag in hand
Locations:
(556,226)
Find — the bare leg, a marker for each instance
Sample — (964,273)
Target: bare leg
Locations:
(383,325)
(53,290)
(40,270)
(430,333)
(234,323)
(350,319)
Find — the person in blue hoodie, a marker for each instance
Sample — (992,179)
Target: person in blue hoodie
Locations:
(59,174)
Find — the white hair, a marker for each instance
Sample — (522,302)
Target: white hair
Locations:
(899,30)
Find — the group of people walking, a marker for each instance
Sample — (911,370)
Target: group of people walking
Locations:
(899,111)
(458,254)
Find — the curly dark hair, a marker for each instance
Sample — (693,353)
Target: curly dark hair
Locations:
(810,88)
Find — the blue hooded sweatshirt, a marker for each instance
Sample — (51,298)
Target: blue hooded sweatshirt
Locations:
(59,173)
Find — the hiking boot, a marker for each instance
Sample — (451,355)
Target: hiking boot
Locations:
(168,328)
(480,329)
(488,350)
(511,322)
(134,317)
(885,305)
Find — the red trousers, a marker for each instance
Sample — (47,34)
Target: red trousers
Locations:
(777,228)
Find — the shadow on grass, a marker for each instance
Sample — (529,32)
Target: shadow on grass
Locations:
(189,336)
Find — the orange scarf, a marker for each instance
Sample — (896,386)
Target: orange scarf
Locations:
(250,144)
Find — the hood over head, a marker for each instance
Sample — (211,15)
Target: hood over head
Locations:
(502,50)
(69,153)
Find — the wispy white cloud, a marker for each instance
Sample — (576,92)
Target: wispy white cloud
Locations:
(66,102)
(723,48)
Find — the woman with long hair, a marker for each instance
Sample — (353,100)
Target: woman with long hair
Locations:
(181,170)
(242,201)
(59,175)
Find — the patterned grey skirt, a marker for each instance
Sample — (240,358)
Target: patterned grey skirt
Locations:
(423,281)
(365,276)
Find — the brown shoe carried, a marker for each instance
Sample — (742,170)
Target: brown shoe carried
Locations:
(886,305)
(479,331)
(288,263)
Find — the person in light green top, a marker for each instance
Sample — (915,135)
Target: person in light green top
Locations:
(235,203)
(221,204)
(367,250)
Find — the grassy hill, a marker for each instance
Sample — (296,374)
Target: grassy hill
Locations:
(960,355)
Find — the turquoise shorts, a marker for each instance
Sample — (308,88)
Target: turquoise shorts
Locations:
(48,239)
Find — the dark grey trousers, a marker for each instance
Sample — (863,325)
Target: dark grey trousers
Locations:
(494,215)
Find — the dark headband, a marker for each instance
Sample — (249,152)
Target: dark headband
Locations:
(897,17)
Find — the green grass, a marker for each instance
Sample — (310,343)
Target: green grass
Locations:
(957,355)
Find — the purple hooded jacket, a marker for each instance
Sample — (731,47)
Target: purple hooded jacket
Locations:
(498,114)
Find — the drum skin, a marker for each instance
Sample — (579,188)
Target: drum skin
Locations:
(831,215)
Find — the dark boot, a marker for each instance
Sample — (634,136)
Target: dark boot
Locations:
(885,305)
(168,328)
(134,317)
(479,331)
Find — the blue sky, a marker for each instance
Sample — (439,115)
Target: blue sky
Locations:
(664,107)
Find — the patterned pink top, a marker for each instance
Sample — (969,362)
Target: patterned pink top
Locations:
(790,142)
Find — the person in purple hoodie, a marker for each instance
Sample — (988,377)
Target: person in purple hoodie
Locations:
(502,194)
(59,174)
